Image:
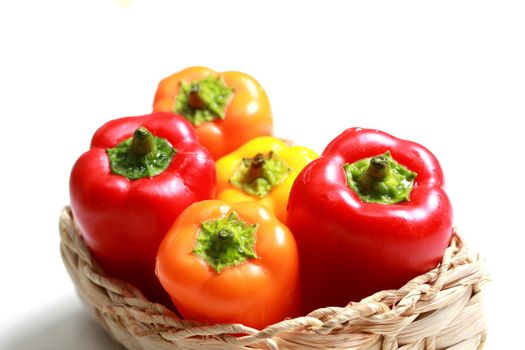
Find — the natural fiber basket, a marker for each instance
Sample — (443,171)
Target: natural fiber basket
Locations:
(441,309)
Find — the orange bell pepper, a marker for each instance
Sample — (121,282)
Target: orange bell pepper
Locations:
(262,170)
(230,263)
(227,109)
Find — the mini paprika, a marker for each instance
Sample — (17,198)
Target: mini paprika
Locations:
(130,186)
(369,214)
(227,262)
(262,170)
(227,109)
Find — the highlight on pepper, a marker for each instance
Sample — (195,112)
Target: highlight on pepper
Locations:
(218,105)
(262,170)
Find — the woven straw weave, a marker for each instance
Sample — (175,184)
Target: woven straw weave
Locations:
(441,309)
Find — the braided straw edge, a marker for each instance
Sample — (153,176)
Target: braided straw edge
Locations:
(441,309)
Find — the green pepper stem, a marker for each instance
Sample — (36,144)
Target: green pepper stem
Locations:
(226,241)
(379,168)
(203,100)
(377,171)
(142,142)
(194,99)
(256,168)
(380,179)
(225,233)
(260,174)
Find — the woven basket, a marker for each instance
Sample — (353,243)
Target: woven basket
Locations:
(441,309)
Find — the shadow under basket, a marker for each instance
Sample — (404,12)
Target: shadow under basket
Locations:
(441,309)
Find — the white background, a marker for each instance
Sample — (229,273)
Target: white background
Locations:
(447,74)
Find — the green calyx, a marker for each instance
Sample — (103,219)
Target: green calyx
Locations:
(380,179)
(203,100)
(142,155)
(259,175)
(225,242)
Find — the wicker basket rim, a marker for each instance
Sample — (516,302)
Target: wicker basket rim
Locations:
(439,309)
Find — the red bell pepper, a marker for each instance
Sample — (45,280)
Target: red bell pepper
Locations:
(129,188)
(364,222)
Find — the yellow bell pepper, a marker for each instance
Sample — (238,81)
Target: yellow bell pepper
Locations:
(262,170)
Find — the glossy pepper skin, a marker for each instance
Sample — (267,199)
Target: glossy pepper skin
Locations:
(246,116)
(296,158)
(349,248)
(257,292)
(123,221)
